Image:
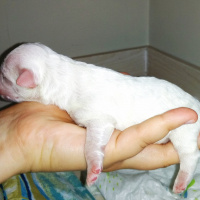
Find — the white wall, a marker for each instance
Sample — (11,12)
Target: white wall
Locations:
(75,27)
(82,27)
(175,28)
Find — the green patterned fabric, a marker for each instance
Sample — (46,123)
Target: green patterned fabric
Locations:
(44,186)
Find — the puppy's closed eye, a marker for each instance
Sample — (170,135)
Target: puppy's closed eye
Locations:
(6,80)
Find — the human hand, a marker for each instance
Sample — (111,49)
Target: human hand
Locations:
(35,137)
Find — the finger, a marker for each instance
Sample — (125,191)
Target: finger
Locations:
(152,157)
(135,138)
(162,124)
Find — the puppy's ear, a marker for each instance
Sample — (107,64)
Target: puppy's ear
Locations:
(26,79)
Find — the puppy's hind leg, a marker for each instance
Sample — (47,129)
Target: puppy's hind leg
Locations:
(98,133)
(187,167)
(188,152)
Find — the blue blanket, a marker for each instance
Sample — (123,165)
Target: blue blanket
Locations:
(44,186)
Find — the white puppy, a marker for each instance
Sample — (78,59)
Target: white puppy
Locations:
(100,100)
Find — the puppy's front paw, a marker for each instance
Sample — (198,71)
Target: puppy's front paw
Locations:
(93,174)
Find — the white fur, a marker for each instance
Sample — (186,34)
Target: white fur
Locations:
(100,100)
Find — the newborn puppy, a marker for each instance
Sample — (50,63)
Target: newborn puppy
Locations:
(100,100)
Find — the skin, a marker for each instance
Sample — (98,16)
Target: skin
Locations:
(36,137)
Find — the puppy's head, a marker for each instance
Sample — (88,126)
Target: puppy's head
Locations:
(22,72)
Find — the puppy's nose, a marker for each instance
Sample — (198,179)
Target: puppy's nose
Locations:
(1,91)
(1,81)
(0,88)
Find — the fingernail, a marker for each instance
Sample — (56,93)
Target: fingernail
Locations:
(190,122)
